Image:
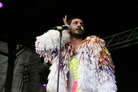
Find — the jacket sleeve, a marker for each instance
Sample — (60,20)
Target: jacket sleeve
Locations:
(47,45)
(97,66)
(105,67)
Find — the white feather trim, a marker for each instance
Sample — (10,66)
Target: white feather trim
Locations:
(50,40)
(53,79)
(91,78)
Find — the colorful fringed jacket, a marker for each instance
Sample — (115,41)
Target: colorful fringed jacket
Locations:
(95,68)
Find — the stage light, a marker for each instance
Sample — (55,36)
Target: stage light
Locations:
(44,84)
(43,74)
(43,80)
(1,4)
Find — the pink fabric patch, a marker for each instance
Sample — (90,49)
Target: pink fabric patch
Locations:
(74,86)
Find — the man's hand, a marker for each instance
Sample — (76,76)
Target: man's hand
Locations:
(65,20)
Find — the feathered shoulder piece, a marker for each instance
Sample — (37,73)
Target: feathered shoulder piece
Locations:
(48,43)
(95,46)
(96,68)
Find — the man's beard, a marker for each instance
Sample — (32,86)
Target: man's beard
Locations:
(76,35)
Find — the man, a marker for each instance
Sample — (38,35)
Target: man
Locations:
(85,64)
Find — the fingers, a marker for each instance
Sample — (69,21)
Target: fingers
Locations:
(65,20)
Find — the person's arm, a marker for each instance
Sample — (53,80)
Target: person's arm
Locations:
(99,65)
(105,69)
(47,44)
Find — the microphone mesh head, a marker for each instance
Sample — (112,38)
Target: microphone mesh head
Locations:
(82,28)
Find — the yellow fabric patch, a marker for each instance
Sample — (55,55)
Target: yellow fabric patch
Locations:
(107,52)
(74,65)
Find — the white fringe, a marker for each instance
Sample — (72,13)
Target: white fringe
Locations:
(50,40)
(90,79)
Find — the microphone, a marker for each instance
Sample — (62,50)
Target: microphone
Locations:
(82,28)
(61,27)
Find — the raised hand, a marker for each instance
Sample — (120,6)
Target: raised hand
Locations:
(65,20)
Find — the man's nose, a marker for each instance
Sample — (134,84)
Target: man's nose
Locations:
(79,25)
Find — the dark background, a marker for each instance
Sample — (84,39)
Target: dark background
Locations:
(22,20)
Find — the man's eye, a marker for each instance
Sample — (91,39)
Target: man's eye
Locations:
(75,22)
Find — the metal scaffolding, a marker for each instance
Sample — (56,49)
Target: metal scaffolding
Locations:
(123,39)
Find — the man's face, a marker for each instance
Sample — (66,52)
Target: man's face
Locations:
(76,29)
